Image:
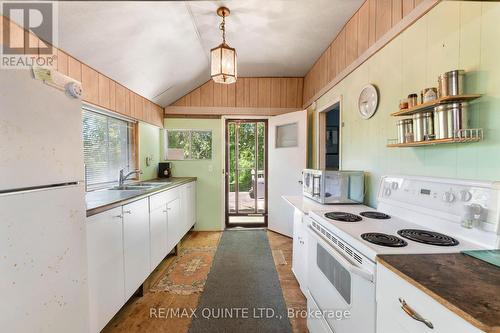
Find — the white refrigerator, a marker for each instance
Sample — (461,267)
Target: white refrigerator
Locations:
(43,264)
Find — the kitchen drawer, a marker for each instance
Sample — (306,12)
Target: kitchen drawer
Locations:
(158,201)
(391,318)
(315,323)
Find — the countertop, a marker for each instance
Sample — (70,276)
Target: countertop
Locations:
(102,200)
(305,205)
(467,286)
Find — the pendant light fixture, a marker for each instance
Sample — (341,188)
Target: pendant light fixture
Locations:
(223,57)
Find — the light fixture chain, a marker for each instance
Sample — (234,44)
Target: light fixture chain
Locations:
(223,28)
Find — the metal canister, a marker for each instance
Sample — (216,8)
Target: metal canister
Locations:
(428,94)
(407,130)
(451,83)
(418,127)
(412,100)
(428,125)
(401,133)
(449,118)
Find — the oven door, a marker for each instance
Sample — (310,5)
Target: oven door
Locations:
(341,291)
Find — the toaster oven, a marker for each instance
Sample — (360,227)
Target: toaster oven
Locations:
(334,187)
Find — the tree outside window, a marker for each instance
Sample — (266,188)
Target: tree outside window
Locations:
(188,145)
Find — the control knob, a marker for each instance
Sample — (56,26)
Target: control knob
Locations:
(465,195)
(448,197)
(394,186)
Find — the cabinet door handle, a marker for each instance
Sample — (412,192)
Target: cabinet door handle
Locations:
(117,216)
(127,212)
(413,314)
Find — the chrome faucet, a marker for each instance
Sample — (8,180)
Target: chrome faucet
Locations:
(123,178)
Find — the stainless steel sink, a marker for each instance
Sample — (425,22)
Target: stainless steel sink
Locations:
(153,184)
(137,186)
(131,187)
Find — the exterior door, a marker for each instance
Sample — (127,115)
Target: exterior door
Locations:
(246,173)
(287,159)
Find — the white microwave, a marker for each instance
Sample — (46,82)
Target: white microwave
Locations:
(334,187)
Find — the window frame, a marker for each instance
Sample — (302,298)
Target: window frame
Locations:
(133,145)
(190,130)
(295,143)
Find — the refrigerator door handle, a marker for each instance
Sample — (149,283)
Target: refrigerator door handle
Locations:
(38,188)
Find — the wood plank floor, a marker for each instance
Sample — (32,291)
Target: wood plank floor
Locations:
(141,314)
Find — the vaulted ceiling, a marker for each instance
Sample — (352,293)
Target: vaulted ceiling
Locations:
(160,49)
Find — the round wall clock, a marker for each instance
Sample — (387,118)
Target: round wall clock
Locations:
(368,101)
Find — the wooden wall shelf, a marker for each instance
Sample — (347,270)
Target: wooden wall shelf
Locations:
(434,142)
(430,105)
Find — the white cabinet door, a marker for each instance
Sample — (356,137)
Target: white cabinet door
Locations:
(391,318)
(158,233)
(105,264)
(174,223)
(191,191)
(184,209)
(299,255)
(188,205)
(136,245)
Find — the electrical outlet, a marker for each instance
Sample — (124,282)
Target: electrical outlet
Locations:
(210,168)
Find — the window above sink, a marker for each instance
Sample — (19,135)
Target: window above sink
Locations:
(108,146)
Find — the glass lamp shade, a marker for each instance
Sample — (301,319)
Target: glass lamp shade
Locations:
(223,64)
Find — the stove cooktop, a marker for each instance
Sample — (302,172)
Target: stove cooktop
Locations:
(392,242)
(375,215)
(428,237)
(384,239)
(343,217)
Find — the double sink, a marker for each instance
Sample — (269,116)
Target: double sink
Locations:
(141,186)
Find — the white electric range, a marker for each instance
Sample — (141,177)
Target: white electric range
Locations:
(415,215)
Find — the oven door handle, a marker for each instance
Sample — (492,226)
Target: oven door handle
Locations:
(341,258)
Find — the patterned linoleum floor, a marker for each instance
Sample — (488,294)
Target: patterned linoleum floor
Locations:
(166,306)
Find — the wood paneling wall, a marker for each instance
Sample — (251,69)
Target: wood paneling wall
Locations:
(366,27)
(247,93)
(98,89)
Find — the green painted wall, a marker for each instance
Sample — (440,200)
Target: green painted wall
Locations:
(209,184)
(149,145)
(453,35)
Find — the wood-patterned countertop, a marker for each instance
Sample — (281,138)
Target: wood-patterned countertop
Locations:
(467,286)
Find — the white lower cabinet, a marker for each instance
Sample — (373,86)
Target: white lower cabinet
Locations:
(190,205)
(125,244)
(299,255)
(105,267)
(158,228)
(392,290)
(175,227)
(136,244)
